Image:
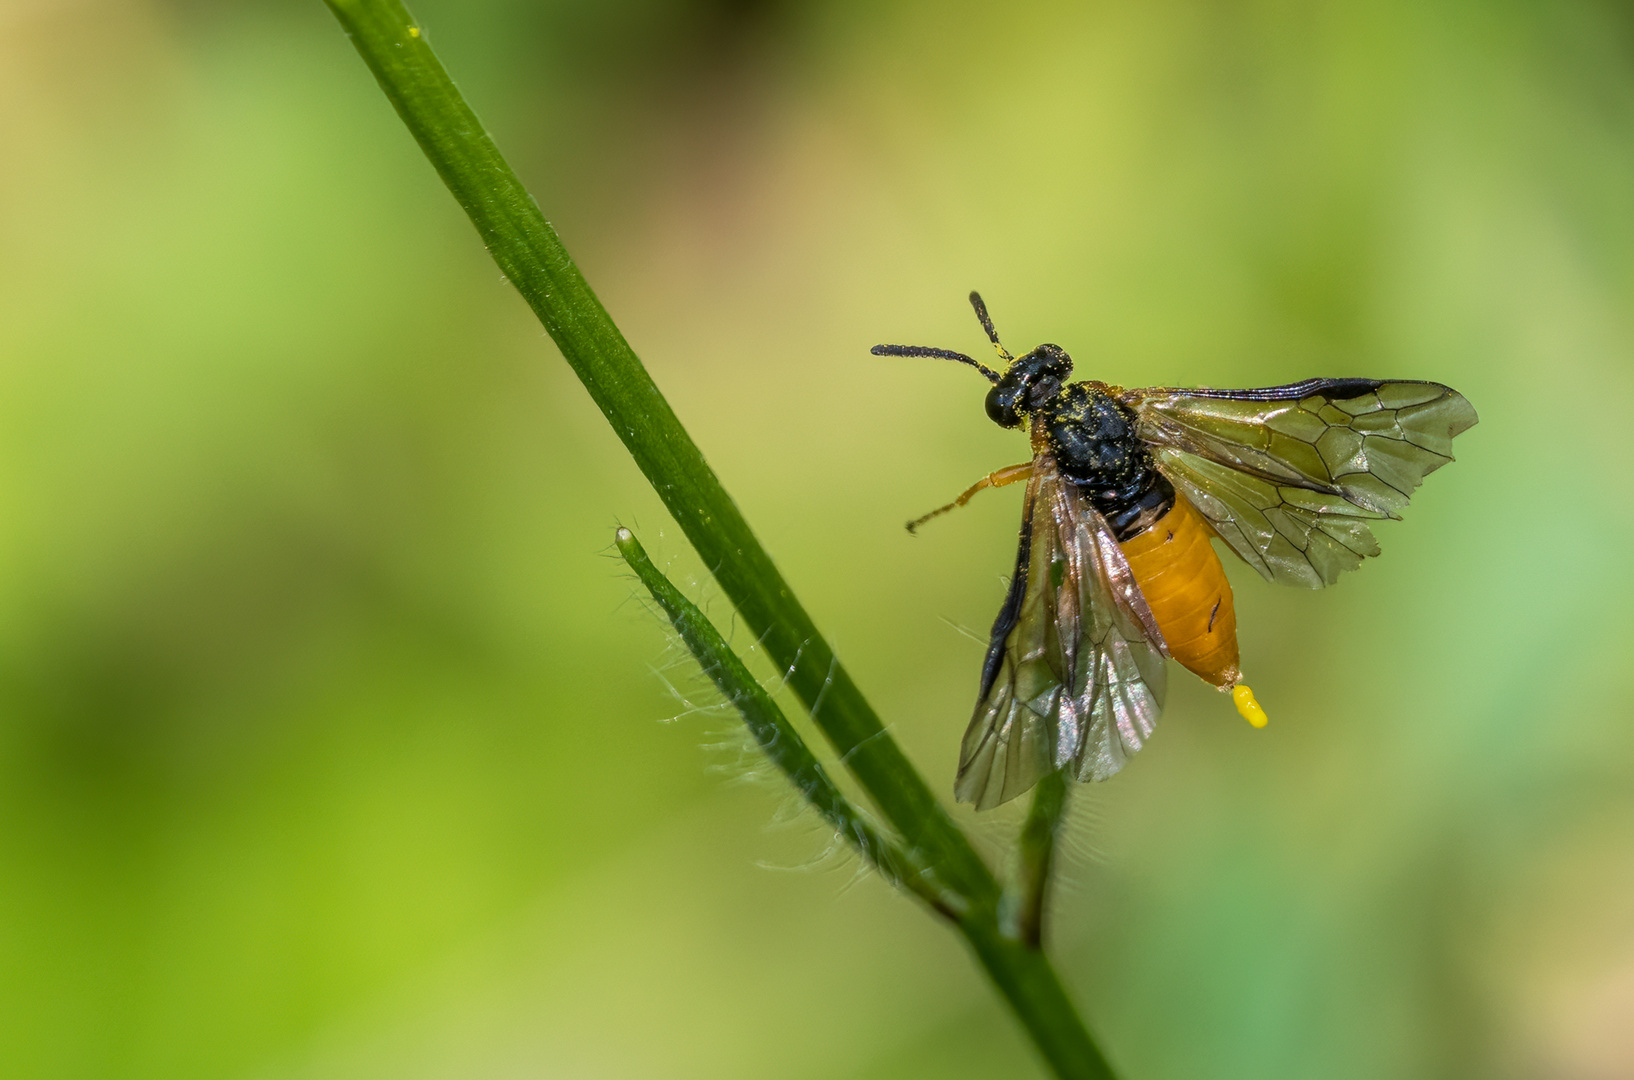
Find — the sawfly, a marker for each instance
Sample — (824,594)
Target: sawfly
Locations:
(1116,572)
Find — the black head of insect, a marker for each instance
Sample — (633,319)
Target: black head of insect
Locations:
(1029,383)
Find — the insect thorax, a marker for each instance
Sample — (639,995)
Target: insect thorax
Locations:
(1093,439)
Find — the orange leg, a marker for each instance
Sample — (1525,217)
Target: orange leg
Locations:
(1010,474)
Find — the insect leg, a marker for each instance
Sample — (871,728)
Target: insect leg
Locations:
(1010,474)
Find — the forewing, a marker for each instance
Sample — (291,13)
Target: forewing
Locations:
(1075,671)
(1289,476)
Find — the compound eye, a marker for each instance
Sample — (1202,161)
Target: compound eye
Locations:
(1001,405)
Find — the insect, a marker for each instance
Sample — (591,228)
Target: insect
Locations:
(1116,572)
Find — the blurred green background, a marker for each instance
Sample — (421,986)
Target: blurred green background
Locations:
(332,740)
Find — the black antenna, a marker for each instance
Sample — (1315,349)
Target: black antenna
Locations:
(939,354)
(987,324)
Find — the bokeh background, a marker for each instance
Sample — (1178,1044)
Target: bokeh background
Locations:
(334,744)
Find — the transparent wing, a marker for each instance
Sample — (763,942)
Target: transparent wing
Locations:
(1291,535)
(1289,476)
(1075,672)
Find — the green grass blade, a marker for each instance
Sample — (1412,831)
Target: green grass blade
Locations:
(527,249)
(776,736)
(1019,970)
(533,258)
(1023,975)
(1024,900)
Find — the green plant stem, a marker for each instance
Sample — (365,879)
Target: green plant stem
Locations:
(532,257)
(772,731)
(1021,972)
(1029,984)
(528,251)
(1036,857)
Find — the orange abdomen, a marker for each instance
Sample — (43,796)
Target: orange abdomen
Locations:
(1183,582)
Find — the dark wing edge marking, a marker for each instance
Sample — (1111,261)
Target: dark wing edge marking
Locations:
(1006,620)
(1075,670)
(1290,475)
(1343,388)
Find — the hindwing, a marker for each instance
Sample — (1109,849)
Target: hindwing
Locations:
(1290,476)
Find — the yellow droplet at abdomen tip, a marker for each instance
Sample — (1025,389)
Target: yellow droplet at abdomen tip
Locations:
(1250,709)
